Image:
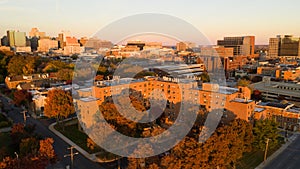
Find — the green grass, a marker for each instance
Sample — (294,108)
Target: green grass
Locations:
(253,159)
(77,137)
(80,139)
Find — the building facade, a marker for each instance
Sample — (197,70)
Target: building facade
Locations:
(209,96)
(242,46)
(284,46)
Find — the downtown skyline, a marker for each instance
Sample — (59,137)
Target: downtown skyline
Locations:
(215,19)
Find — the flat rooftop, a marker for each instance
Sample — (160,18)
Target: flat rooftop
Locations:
(288,89)
(88,99)
(238,100)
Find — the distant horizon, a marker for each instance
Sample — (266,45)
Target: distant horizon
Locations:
(215,19)
(136,39)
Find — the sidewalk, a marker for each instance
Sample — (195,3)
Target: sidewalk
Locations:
(281,149)
(5,130)
(91,157)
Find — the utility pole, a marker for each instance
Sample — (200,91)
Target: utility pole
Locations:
(266,151)
(71,155)
(24,117)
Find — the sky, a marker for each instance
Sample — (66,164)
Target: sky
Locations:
(214,18)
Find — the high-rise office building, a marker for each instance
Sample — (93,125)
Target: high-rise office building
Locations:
(11,38)
(20,39)
(16,39)
(242,46)
(284,46)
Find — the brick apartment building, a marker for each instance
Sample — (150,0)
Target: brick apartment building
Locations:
(209,96)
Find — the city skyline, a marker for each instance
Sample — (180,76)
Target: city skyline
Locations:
(214,19)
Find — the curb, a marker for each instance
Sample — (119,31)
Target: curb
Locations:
(71,143)
(91,157)
(5,130)
(275,154)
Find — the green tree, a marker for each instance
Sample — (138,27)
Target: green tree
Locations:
(29,66)
(204,77)
(4,60)
(19,65)
(15,65)
(263,130)
(65,74)
(56,65)
(243,83)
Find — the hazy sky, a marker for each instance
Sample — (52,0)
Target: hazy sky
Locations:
(214,18)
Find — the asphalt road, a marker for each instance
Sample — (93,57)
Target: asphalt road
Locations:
(288,159)
(60,147)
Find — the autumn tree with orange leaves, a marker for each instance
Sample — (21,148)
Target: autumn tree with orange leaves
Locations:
(22,98)
(59,105)
(43,158)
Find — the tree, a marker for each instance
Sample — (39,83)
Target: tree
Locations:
(3,66)
(15,65)
(54,66)
(19,65)
(17,134)
(243,83)
(205,77)
(90,144)
(29,67)
(29,146)
(153,166)
(65,74)
(233,139)
(59,105)
(263,130)
(46,149)
(22,98)
(141,150)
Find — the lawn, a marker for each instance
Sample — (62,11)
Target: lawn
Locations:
(80,139)
(77,137)
(254,158)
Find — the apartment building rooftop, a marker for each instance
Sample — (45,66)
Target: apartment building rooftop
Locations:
(88,99)
(218,89)
(239,100)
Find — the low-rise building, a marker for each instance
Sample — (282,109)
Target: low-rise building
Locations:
(285,114)
(272,91)
(14,81)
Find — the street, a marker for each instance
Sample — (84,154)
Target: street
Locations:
(60,147)
(288,159)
